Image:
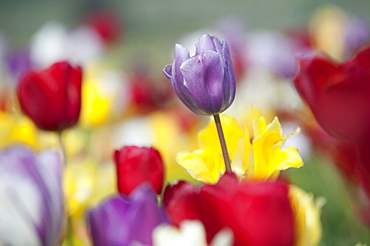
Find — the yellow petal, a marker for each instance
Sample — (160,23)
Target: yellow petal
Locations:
(95,107)
(206,164)
(307,212)
(202,165)
(268,157)
(288,157)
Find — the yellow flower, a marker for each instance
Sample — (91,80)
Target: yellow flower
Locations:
(206,164)
(268,157)
(327,28)
(104,96)
(262,158)
(307,211)
(85,183)
(18,129)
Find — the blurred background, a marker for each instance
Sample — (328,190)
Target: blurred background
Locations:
(148,32)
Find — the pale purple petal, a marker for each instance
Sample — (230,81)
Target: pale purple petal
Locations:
(35,191)
(168,71)
(181,55)
(230,80)
(218,45)
(205,43)
(203,77)
(50,167)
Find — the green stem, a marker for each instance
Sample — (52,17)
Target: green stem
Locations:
(221,136)
(62,150)
(69,223)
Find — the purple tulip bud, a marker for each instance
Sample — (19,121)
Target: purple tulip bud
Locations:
(123,220)
(31,198)
(205,82)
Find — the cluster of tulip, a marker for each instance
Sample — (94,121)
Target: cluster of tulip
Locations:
(231,190)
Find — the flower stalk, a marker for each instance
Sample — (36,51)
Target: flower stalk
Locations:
(221,136)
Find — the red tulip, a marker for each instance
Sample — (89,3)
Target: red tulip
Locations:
(338,94)
(258,213)
(137,165)
(52,97)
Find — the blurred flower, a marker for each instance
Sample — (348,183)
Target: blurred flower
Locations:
(205,83)
(18,62)
(17,129)
(123,220)
(327,31)
(338,94)
(86,182)
(255,212)
(189,233)
(54,42)
(147,94)
(105,95)
(31,198)
(106,24)
(275,52)
(261,159)
(337,33)
(136,166)
(307,211)
(52,97)
(357,34)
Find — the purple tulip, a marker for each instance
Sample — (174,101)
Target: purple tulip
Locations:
(31,198)
(122,220)
(205,83)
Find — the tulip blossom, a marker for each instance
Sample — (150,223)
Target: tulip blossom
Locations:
(338,97)
(52,97)
(31,198)
(260,159)
(338,94)
(337,33)
(137,165)
(123,220)
(205,82)
(257,213)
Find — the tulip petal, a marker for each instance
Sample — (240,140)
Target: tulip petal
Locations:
(230,90)
(33,184)
(107,222)
(181,55)
(206,42)
(204,78)
(168,71)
